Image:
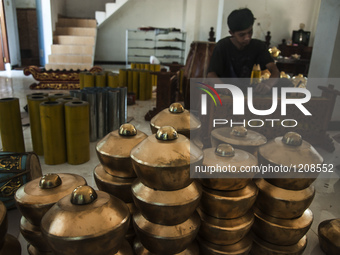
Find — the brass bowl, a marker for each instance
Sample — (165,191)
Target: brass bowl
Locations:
(36,197)
(34,251)
(329,233)
(282,203)
(239,137)
(228,204)
(114,149)
(139,249)
(281,231)
(86,222)
(162,239)
(116,186)
(125,249)
(33,236)
(177,117)
(225,231)
(226,155)
(162,161)
(291,183)
(240,248)
(3,221)
(261,247)
(132,209)
(10,245)
(166,207)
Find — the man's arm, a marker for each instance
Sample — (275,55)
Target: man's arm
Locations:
(265,86)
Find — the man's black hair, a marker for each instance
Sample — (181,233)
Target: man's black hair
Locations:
(240,19)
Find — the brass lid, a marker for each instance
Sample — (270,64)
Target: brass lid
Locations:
(177,117)
(48,189)
(166,149)
(290,149)
(225,154)
(118,143)
(85,213)
(238,135)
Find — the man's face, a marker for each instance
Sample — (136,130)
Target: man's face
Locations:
(243,37)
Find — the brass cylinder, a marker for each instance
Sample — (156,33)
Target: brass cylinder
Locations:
(77,132)
(112,80)
(54,97)
(130,80)
(143,80)
(53,132)
(122,77)
(81,80)
(100,79)
(12,136)
(135,82)
(3,221)
(34,115)
(89,80)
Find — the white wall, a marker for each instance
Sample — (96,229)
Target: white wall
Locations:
(58,7)
(25,4)
(85,8)
(157,13)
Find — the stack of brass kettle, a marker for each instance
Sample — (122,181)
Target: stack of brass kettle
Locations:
(239,137)
(8,243)
(176,116)
(282,216)
(35,198)
(226,204)
(87,222)
(167,221)
(115,173)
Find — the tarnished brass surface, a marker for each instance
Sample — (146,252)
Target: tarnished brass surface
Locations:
(125,249)
(228,204)
(54,97)
(240,248)
(117,186)
(166,207)
(114,150)
(34,201)
(132,209)
(281,231)
(222,156)
(329,236)
(34,251)
(10,246)
(33,236)
(98,227)
(162,239)
(290,150)
(139,249)
(282,203)
(165,165)
(177,117)
(225,231)
(239,137)
(3,221)
(261,247)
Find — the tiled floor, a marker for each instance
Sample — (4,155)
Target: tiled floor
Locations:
(14,84)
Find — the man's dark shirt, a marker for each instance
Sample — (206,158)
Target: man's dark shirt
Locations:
(229,62)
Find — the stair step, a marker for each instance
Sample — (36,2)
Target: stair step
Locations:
(72,49)
(75,66)
(74,22)
(79,31)
(73,40)
(64,59)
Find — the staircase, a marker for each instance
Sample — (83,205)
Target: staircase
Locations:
(110,8)
(73,44)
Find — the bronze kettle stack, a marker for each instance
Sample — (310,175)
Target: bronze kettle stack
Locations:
(34,199)
(8,243)
(115,173)
(167,221)
(226,204)
(282,216)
